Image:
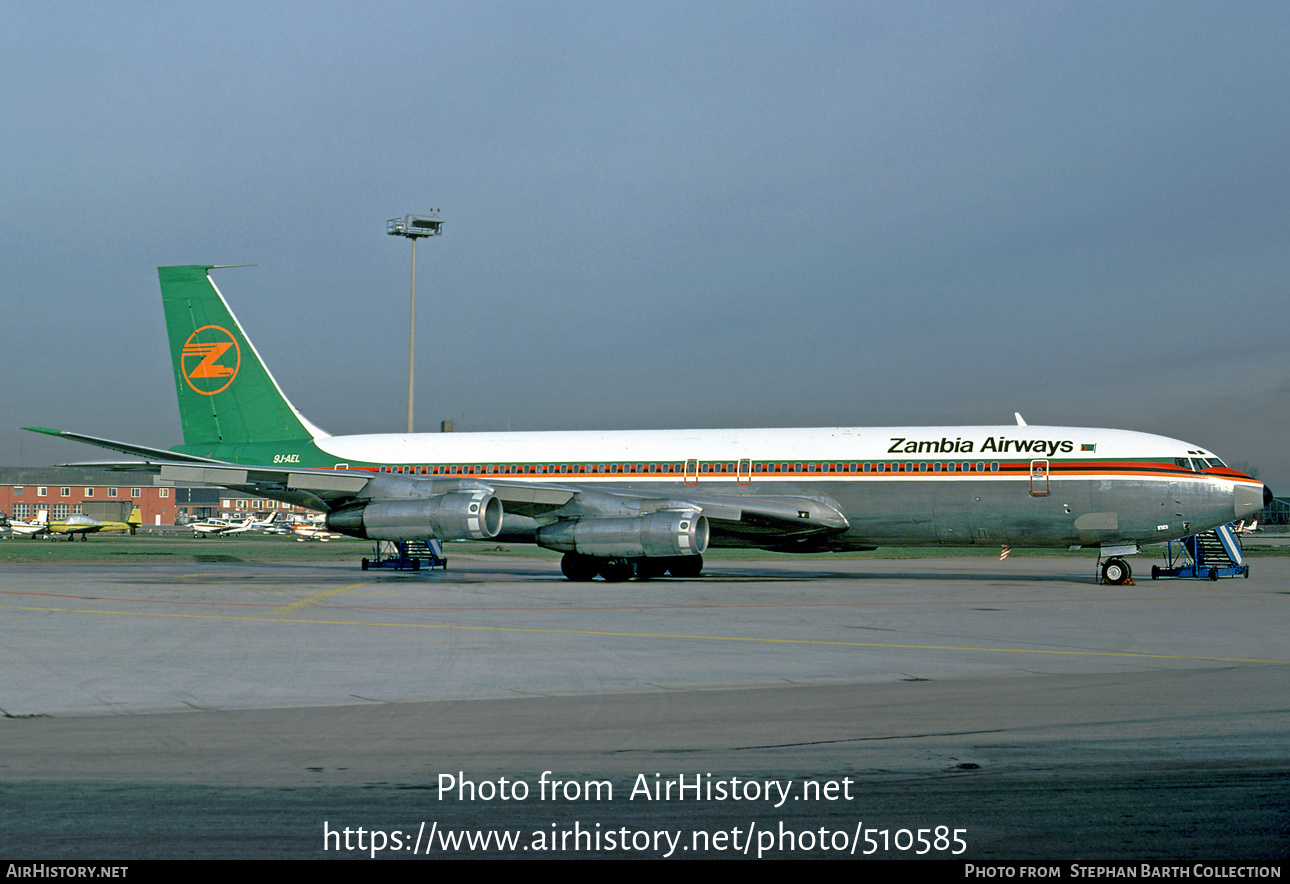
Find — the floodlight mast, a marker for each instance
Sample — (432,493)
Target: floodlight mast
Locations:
(414,227)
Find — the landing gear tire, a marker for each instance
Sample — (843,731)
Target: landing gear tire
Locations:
(1116,572)
(365,563)
(617,570)
(1213,574)
(686,566)
(578,567)
(1155,572)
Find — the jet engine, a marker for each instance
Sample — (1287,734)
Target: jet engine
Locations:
(458,515)
(655,534)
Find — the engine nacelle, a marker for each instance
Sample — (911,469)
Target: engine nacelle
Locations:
(458,515)
(655,534)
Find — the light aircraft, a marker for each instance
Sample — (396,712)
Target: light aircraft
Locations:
(219,527)
(263,525)
(223,527)
(31,528)
(634,503)
(75,525)
(79,525)
(313,532)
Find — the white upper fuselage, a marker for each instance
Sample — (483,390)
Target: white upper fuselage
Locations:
(823,444)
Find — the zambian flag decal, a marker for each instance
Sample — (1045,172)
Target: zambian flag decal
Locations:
(1087,447)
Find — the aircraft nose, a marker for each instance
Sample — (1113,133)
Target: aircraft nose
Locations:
(1250,499)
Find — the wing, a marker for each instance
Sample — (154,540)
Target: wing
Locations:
(767,522)
(761,521)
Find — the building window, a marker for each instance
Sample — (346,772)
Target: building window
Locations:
(17,491)
(111,492)
(41,490)
(64,492)
(136,492)
(89,492)
(163,492)
(22,510)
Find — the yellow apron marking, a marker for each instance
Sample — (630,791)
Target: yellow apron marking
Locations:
(316,597)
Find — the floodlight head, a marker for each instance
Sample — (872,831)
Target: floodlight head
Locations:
(413,226)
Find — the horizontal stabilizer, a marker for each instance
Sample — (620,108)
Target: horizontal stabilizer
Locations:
(151,454)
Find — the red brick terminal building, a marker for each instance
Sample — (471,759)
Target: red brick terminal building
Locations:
(62,491)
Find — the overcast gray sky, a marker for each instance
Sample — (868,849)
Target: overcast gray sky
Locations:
(659,214)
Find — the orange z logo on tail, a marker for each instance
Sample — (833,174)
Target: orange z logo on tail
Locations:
(206,347)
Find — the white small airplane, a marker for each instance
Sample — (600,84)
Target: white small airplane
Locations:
(219,527)
(313,532)
(257,526)
(1242,528)
(31,528)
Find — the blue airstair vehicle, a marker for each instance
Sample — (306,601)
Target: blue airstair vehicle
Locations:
(1214,554)
(407,555)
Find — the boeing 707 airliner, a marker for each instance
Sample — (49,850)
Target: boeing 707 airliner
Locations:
(624,504)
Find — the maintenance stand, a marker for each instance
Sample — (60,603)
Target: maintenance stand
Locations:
(407,555)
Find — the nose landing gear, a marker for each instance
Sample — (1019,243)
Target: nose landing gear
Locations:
(1116,572)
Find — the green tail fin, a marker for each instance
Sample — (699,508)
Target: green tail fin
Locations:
(226,395)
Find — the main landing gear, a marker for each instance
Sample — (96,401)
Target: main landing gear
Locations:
(1116,571)
(577,566)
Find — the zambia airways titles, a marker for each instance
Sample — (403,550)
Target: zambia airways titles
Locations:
(995,444)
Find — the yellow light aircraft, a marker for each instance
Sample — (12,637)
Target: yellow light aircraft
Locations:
(81,525)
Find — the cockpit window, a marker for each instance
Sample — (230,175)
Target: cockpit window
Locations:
(1198,464)
(1215,462)
(1182,462)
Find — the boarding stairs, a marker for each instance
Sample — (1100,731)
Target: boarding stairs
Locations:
(1214,554)
(407,555)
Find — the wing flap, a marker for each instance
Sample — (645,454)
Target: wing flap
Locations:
(774,522)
